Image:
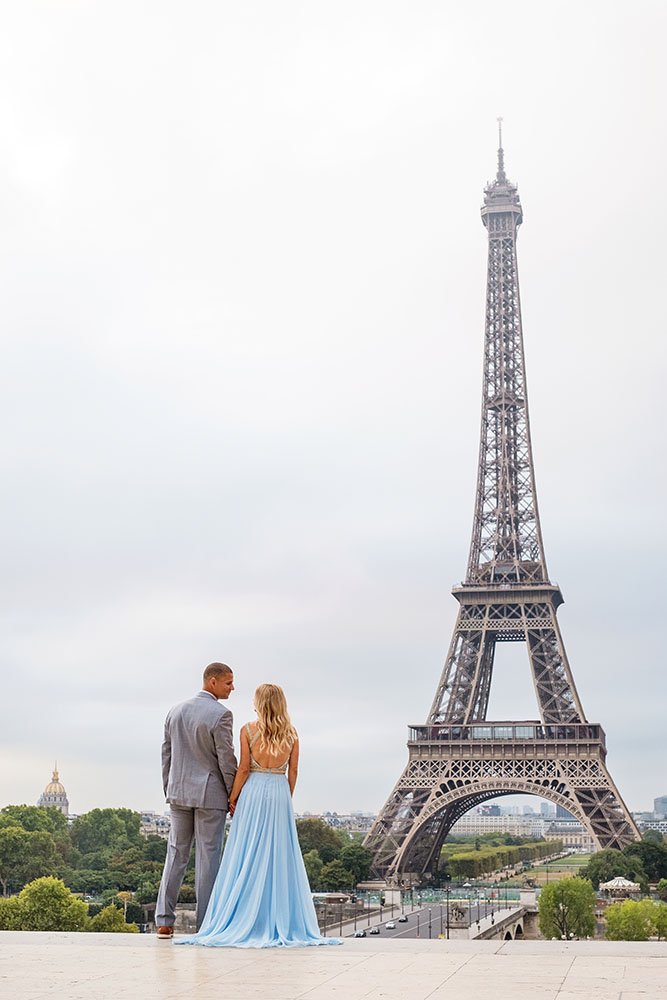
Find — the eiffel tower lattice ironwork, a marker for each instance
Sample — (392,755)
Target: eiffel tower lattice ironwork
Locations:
(458,759)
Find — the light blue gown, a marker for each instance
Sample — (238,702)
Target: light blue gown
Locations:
(261,897)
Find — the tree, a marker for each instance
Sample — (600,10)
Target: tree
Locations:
(10,914)
(147,891)
(335,877)
(187,894)
(314,866)
(48,905)
(13,846)
(316,835)
(25,856)
(358,860)
(651,855)
(114,829)
(607,864)
(660,920)
(32,818)
(662,889)
(631,920)
(110,920)
(92,883)
(567,909)
(155,849)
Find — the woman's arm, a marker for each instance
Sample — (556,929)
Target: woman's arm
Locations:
(242,772)
(293,768)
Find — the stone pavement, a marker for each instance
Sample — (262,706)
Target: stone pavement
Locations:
(39,966)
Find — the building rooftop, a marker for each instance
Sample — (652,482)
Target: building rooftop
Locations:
(36,966)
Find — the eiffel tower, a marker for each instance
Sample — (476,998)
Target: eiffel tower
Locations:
(459,758)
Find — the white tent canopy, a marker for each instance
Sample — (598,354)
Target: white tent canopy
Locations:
(619,884)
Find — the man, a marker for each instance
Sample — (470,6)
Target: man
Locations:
(198,768)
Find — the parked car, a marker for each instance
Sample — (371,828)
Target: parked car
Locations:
(403,919)
(360,933)
(375,930)
(391,926)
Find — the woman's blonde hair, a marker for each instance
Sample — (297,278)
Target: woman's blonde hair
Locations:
(274,726)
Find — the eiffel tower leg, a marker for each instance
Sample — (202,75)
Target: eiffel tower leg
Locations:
(604,812)
(554,685)
(396,821)
(463,691)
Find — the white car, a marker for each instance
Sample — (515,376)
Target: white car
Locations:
(391,926)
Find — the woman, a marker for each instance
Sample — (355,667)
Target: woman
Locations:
(261,897)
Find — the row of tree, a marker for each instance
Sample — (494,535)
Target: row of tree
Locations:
(475,863)
(103,853)
(99,854)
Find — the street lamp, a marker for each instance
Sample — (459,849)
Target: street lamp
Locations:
(429,925)
(447,893)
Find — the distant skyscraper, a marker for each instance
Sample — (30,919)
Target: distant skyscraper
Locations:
(660,806)
(563,813)
(54,794)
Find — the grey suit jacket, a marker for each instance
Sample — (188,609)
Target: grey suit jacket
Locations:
(198,760)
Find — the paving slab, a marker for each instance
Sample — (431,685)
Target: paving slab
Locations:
(40,966)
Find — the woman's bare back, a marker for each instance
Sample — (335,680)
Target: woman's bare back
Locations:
(261,757)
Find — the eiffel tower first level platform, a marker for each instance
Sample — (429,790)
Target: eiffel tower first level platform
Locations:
(458,758)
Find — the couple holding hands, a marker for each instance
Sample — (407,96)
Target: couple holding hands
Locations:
(258,895)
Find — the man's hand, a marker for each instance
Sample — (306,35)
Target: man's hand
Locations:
(232,808)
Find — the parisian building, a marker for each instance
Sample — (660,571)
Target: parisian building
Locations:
(54,794)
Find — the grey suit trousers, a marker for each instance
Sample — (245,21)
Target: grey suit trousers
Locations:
(207,828)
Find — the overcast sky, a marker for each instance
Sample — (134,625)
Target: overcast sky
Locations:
(242,296)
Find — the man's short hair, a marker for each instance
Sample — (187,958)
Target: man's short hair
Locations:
(216,670)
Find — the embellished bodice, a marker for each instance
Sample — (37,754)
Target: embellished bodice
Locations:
(254,766)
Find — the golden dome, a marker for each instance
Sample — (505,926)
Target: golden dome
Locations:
(55,786)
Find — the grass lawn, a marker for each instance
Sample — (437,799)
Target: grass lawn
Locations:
(559,868)
(571,861)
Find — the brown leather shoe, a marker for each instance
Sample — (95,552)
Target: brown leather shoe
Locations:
(165,932)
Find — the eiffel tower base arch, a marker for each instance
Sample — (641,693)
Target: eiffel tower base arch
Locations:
(442,782)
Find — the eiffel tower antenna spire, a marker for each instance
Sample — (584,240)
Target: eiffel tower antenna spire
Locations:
(500,175)
(458,759)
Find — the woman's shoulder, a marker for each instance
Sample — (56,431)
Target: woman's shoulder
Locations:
(249,728)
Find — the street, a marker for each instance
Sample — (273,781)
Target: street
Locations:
(417,923)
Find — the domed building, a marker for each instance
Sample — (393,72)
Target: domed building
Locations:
(54,794)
